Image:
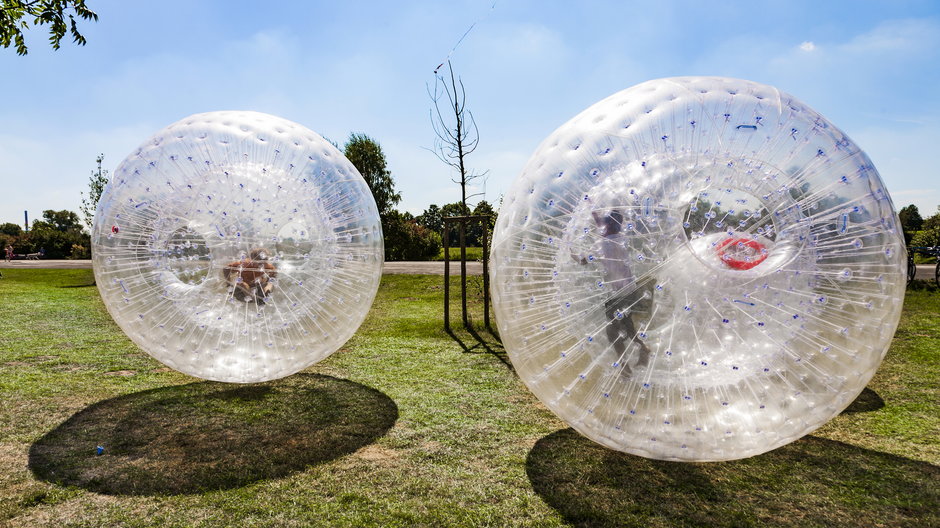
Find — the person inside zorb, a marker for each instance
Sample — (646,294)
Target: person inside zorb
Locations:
(612,250)
(252,278)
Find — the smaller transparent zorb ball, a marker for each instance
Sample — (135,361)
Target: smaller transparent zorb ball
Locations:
(237,247)
(697,268)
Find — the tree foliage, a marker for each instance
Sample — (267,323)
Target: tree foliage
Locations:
(483,208)
(60,15)
(59,220)
(96,184)
(910,218)
(406,240)
(11,229)
(431,219)
(929,234)
(59,233)
(366,155)
(473,236)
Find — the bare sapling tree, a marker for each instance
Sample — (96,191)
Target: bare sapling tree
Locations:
(456,130)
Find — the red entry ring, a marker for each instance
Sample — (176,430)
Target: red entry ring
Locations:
(730,251)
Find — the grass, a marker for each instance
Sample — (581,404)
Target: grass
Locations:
(473,253)
(407,426)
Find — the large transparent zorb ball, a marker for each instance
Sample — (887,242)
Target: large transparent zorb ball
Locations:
(237,246)
(697,268)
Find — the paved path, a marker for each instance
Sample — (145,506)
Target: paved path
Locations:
(46,264)
(924,271)
(391,268)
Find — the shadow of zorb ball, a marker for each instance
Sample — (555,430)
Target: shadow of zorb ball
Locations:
(237,247)
(697,269)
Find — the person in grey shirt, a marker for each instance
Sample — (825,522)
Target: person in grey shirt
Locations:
(614,255)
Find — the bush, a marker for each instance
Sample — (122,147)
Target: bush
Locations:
(79,252)
(406,240)
(57,244)
(926,238)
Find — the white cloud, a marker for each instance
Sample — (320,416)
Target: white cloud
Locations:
(897,36)
(808,46)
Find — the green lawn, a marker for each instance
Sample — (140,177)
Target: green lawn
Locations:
(473,253)
(407,426)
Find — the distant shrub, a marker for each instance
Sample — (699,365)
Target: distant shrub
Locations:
(406,240)
(79,252)
(927,237)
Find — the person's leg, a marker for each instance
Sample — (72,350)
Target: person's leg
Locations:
(616,332)
(243,293)
(260,294)
(643,357)
(623,328)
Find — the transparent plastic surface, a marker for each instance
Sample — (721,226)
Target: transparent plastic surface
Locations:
(697,268)
(237,247)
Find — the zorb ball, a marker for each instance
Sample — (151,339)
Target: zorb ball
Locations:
(237,247)
(697,269)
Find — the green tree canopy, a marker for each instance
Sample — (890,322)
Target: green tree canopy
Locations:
(932,222)
(431,219)
(929,234)
(455,209)
(910,218)
(406,240)
(58,233)
(475,229)
(58,220)
(11,229)
(453,233)
(485,208)
(366,155)
(60,15)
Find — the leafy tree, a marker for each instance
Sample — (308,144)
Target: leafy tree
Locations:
(11,229)
(406,240)
(367,156)
(431,219)
(96,185)
(484,208)
(61,16)
(475,229)
(56,233)
(926,238)
(10,234)
(455,209)
(59,220)
(932,222)
(910,218)
(929,235)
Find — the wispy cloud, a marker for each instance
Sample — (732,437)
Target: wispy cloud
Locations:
(897,36)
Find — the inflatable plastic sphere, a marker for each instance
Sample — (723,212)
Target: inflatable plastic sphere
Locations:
(237,246)
(699,269)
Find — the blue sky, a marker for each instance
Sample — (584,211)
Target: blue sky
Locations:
(872,68)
